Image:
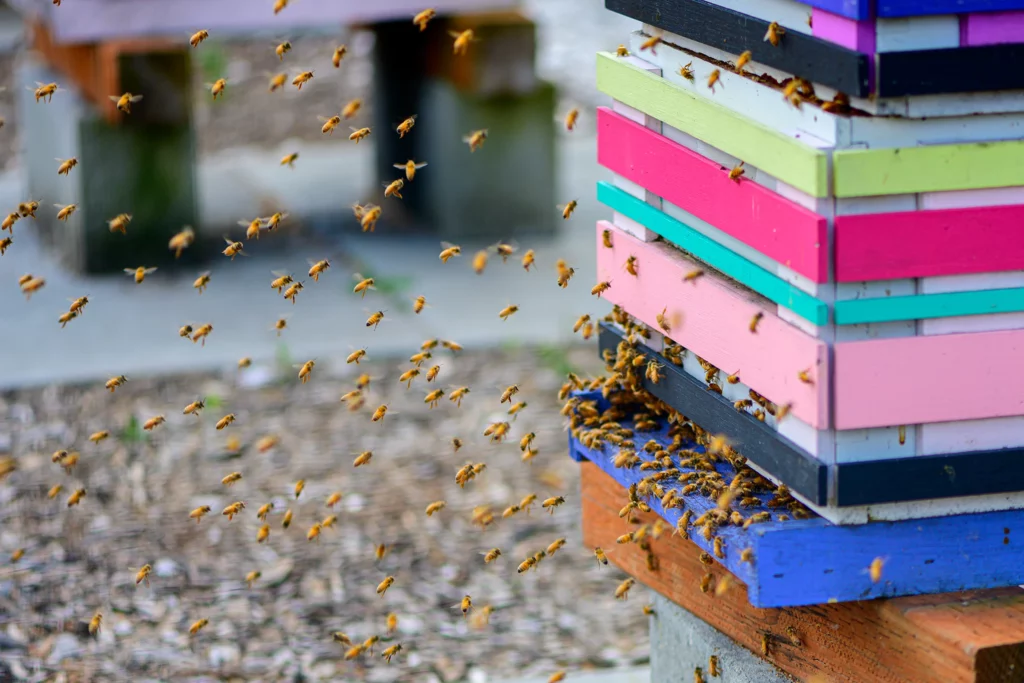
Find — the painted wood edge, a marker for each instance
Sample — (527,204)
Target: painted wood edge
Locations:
(967,436)
(929,243)
(804,55)
(712,412)
(932,168)
(780,155)
(933,384)
(911,8)
(991,28)
(790,14)
(850,33)
(949,70)
(735,266)
(762,219)
(906,34)
(923,306)
(969,199)
(710,316)
(839,642)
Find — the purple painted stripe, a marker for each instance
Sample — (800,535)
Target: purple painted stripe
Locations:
(856,35)
(991,28)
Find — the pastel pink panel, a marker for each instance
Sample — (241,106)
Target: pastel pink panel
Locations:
(889,246)
(990,28)
(780,229)
(856,35)
(715,315)
(915,380)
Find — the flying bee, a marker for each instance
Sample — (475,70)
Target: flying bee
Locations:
(391,652)
(202,333)
(233,249)
(650,44)
(457,395)
(28,209)
(124,102)
(462,40)
(602,558)
(448,251)
(45,90)
(567,209)
(436,506)
(713,78)
(76,497)
(197,626)
(317,268)
(555,546)
(275,83)
(551,503)
(517,408)
(380,412)
(286,521)
(54,491)
(433,397)
(356,356)
(306,370)
(371,214)
(774,34)
(475,139)
(140,273)
(252,228)
(363,284)
(510,391)
(231,510)
(194,408)
(65,211)
(9,221)
(95,622)
(66,165)
(114,382)
(358,134)
(202,281)
(600,288)
(198,37)
(527,564)
(805,377)
(339,54)
(480,261)
(282,49)
(351,108)
(31,285)
(418,304)
(508,311)
(384,585)
(289,159)
(875,569)
(410,167)
(314,532)
(199,512)
(686,72)
(465,605)
(393,189)
(528,259)
(143,574)
(218,87)
(743,60)
(423,18)
(405,126)
(293,291)
(273,221)
(755,321)
(231,478)
(622,592)
(330,123)
(181,241)
(737,172)
(264,510)
(571,118)
(432,373)
(302,78)
(225,421)
(252,577)
(96,437)
(408,376)
(557,677)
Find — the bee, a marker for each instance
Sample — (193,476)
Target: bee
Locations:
(76,497)
(197,626)
(410,167)
(251,577)
(356,356)
(17,555)
(551,503)
(423,18)
(462,40)
(902,433)
(555,546)
(600,288)
(736,172)
(330,123)
(363,285)
(114,382)
(630,266)
(28,209)
(475,139)
(282,49)
(713,78)
(194,408)
(405,126)
(339,54)
(31,285)
(358,134)
(265,443)
(340,637)
(54,491)
(69,461)
(96,437)
(384,585)
(456,443)
(362,459)
(379,553)
(774,34)
(95,622)
(765,644)
(433,397)
(218,87)
(465,605)
(371,214)
(140,273)
(277,82)
(314,532)
(568,209)
(452,346)
(66,165)
(306,370)
(805,377)
(507,311)
(9,221)
(713,666)
(875,569)
(286,521)
(65,211)
(317,269)
(375,319)
(233,249)
(755,321)
(391,652)
(393,189)
(181,241)
(408,376)
(380,412)
(527,564)
(202,333)
(45,90)
(252,228)
(622,592)
(351,109)
(264,510)
(202,281)
(293,291)
(198,37)
(302,78)
(686,72)
(743,60)
(570,119)
(199,512)
(231,510)
(225,421)
(491,555)
(432,373)
(143,574)
(448,251)
(124,102)
(621,51)
(698,675)
(480,261)
(650,44)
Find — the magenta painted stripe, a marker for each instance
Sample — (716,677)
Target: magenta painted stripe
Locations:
(780,229)
(916,380)
(991,28)
(856,35)
(710,316)
(887,246)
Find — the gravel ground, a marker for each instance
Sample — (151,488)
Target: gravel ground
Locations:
(141,487)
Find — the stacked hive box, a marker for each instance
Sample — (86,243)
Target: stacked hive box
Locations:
(877,237)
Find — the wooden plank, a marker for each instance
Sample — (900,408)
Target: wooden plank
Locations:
(976,636)
(918,380)
(962,199)
(850,33)
(917,33)
(735,266)
(715,316)
(911,8)
(869,172)
(713,412)
(991,28)
(851,9)
(962,436)
(967,283)
(911,244)
(794,16)
(951,70)
(794,162)
(922,306)
(812,58)
(762,219)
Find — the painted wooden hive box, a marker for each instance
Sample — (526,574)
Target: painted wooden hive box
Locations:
(834,231)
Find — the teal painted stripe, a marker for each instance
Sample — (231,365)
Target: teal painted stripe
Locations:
(714,254)
(922,306)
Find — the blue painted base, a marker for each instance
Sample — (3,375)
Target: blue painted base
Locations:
(808,562)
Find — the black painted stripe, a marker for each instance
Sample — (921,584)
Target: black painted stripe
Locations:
(951,70)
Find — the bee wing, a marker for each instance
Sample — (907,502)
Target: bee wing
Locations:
(135,98)
(205,273)
(453,34)
(60,206)
(402,166)
(279,273)
(130,271)
(448,245)
(114,98)
(150,270)
(229,241)
(244,224)
(420,165)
